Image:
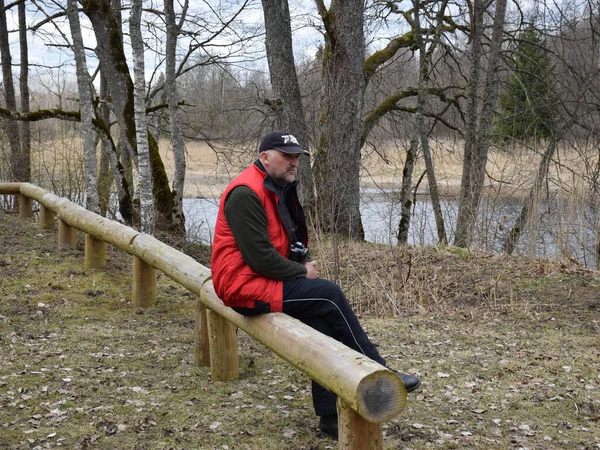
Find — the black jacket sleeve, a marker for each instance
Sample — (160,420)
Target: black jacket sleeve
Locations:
(247,220)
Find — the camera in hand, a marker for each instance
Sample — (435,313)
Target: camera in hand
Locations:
(298,252)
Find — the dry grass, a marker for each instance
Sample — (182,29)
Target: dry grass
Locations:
(81,368)
(395,281)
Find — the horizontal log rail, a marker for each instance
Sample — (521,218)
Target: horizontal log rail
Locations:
(368,393)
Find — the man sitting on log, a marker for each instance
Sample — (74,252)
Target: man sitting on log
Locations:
(260,260)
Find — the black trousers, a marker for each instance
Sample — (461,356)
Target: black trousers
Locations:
(321,304)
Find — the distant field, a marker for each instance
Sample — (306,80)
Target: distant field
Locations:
(210,169)
(508,175)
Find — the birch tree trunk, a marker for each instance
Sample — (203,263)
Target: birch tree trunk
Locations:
(479,123)
(141,123)
(12,127)
(113,60)
(173,99)
(287,104)
(86,109)
(24,91)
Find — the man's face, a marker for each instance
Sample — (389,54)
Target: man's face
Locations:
(281,166)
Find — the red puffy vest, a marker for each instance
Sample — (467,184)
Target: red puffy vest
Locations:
(234,281)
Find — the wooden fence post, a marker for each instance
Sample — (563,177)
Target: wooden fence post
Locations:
(67,235)
(95,253)
(46,219)
(223,348)
(25,207)
(143,291)
(201,342)
(355,432)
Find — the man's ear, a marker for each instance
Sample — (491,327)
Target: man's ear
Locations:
(264,157)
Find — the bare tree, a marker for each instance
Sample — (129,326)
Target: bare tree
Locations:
(287,104)
(338,153)
(480,117)
(345,125)
(20,167)
(406,202)
(574,53)
(106,176)
(24,90)
(425,53)
(105,179)
(526,211)
(86,108)
(173,30)
(141,125)
(112,59)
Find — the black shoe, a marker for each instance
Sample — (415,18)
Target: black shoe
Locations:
(329,425)
(411,383)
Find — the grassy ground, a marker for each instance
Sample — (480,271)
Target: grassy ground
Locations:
(508,351)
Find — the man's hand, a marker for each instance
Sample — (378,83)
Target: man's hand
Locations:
(311,270)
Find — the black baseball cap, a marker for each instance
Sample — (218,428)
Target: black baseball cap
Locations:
(282,141)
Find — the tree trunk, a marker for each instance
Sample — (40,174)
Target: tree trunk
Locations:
(141,125)
(18,164)
(405,191)
(24,91)
(112,58)
(86,109)
(478,131)
(104,174)
(431,180)
(337,165)
(287,104)
(106,158)
(515,233)
(176,137)
(122,186)
(423,127)
(466,211)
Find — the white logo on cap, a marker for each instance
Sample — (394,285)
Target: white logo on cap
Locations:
(289,138)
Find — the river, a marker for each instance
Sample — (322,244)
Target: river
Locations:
(559,228)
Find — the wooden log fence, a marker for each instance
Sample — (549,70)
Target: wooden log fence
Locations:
(368,393)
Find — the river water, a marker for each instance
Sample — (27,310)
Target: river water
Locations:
(558,230)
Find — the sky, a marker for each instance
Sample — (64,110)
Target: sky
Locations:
(49,55)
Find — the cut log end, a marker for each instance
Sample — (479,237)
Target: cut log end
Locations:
(381,396)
